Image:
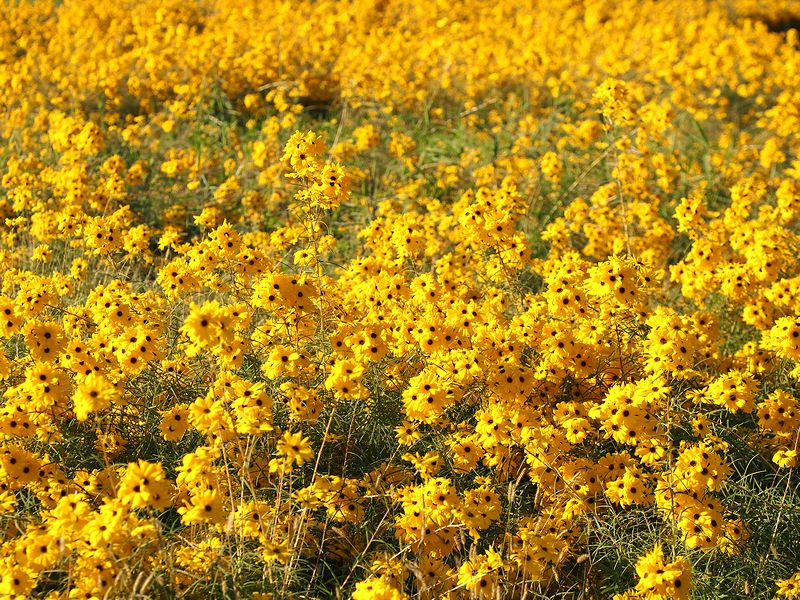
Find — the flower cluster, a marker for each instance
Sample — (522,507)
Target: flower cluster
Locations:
(399,300)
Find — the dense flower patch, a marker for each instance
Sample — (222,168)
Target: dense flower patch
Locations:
(391,299)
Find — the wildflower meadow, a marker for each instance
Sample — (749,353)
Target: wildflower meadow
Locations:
(391,299)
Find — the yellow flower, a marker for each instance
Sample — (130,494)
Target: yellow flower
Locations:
(377,588)
(789,587)
(144,485)
(785,458)
(15,580)
(174,423)
(659,579)
(302,151)
(295,448)
(203,507)
(94,394)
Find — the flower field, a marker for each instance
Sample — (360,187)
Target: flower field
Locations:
(387,299)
